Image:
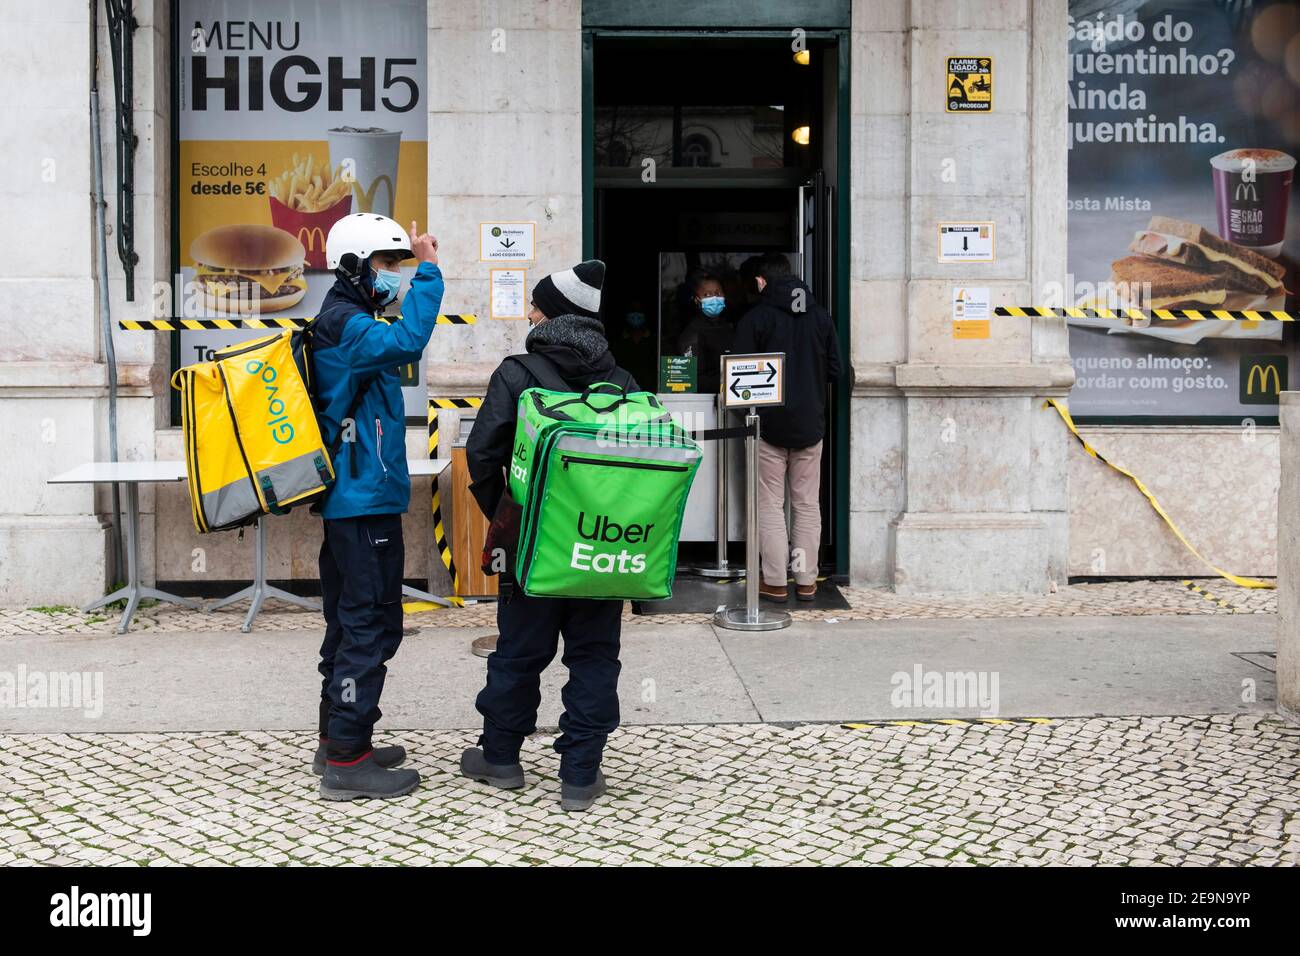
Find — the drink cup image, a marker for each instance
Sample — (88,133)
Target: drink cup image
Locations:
(1252,188)
(370,156)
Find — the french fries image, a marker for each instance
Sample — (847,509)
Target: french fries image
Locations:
(309,185)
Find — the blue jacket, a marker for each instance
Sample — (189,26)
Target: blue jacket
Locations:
(351,346)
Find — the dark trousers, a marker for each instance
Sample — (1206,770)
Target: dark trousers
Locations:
(530,629)
(361,561)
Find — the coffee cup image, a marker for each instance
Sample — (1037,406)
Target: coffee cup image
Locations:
(1252,190)
(368,158)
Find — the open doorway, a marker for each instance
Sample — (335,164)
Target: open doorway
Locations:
(708,150)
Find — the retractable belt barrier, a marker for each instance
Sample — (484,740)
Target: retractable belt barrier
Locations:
(719,434)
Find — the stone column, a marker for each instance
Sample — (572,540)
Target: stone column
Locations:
(54,540)
(505,143)
(960,478)
(1288,558)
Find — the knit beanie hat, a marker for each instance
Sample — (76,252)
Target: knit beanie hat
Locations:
(574,291)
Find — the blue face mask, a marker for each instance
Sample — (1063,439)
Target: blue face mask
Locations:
(635,319)
(386,285)
(713,305)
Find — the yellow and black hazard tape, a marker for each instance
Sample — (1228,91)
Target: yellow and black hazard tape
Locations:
(1194,315)
(947,722)
(1220,602)
(439,526)
(1236,579)
(210,325)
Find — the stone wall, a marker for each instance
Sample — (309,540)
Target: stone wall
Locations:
(960,484)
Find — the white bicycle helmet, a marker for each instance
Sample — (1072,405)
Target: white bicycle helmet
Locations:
(355,238)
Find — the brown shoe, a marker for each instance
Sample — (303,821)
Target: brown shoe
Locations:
(773,592)
(805,592)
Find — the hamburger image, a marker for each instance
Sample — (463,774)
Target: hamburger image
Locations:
(248,269)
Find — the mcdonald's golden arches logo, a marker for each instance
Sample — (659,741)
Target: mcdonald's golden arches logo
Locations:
(312,237)
(1262,379)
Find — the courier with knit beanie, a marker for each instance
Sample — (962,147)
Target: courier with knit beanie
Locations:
(566,350)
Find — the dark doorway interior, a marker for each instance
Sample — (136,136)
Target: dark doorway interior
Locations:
(708,149)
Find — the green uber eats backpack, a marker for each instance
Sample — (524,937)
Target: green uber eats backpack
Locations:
(602,477)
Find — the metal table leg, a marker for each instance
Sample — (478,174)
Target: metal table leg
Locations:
(133,591)
(260,590)
(416,594)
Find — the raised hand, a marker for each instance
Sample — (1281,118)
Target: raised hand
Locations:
(423,246)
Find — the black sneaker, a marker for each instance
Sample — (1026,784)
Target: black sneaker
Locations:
(575,799)
(364,780)
(386,757)
(507,776)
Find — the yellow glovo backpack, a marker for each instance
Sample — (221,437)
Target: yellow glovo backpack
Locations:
(252,443)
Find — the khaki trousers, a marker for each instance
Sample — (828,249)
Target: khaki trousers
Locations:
(803,468)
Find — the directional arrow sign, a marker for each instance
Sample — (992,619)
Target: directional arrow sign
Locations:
(757,379)
(507,241)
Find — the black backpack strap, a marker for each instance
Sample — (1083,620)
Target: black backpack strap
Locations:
(544,370)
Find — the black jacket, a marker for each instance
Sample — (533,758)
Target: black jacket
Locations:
(812,360)
(491,440)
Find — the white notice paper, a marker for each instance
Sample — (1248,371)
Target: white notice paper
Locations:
(509,293)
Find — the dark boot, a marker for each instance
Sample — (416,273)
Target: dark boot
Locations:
(386,757)
(575,799)
(508,776)
(365,779)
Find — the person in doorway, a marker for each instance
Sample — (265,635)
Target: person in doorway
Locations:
(633,346)
(565,350)
(787,319)
(356,354)
(709,334)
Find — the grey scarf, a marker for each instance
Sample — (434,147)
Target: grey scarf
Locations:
(583,334)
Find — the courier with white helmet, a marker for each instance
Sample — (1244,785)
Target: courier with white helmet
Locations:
(356,354)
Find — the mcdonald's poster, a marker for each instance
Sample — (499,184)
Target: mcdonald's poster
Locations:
(1184,128)
(290,115)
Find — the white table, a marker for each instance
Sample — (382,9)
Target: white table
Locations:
(260,590)
(132,473)
(129,474)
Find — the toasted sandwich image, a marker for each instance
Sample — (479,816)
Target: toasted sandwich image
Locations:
(1187,244)
(1146,282)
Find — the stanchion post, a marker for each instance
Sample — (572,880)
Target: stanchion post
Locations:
(749,616)
(721,511)
(751,517)
(721,568)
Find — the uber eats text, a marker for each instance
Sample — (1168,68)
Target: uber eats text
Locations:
(604,530)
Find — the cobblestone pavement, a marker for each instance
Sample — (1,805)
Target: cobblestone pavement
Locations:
(866,604)
(1170,790)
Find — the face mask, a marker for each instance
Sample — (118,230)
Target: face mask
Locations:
(386,285)
(635,319)
(713,305)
